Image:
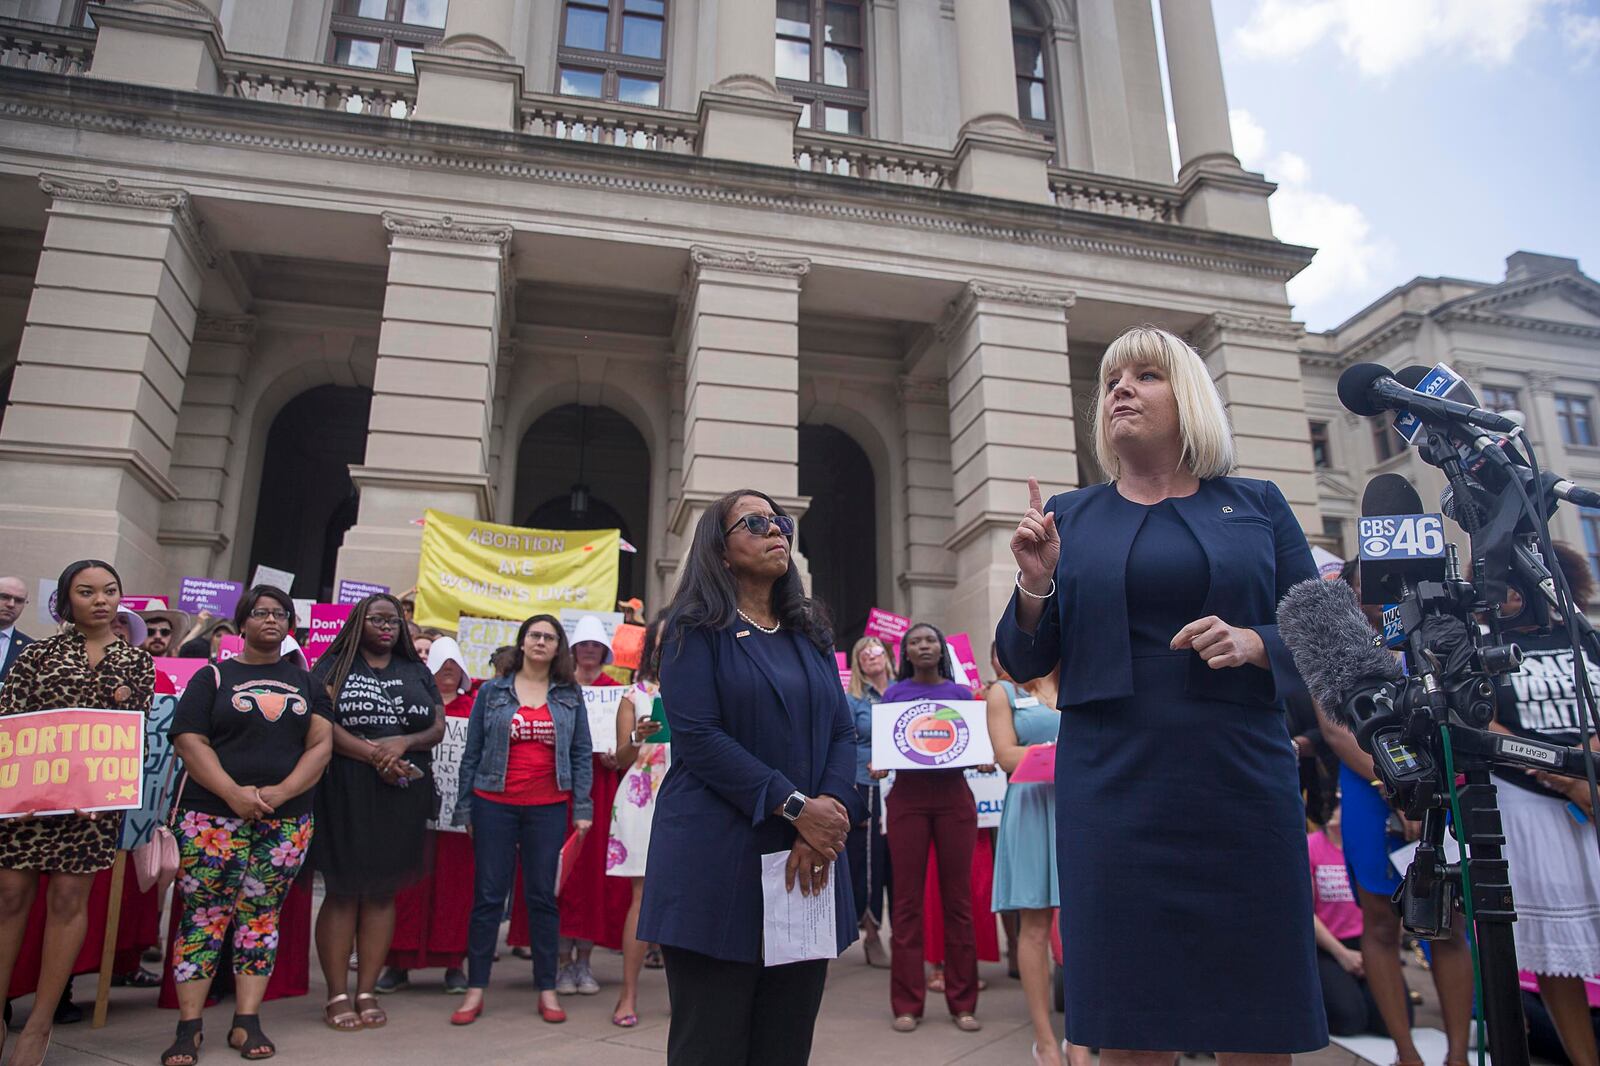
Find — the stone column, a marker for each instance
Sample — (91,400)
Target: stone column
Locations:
(433,390)
(741,382)
(930,509)
(193,533)
(743,115)
(1010,418)
(471,77)
(673,545)
(87,443)
(1255,362)
(176,44)
(995,154)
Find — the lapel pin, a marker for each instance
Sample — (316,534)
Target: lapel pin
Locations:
(741,633)
(1227,510)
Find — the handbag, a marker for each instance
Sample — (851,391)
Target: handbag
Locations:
(155,862)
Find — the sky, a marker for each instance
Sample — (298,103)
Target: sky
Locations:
(1417,137)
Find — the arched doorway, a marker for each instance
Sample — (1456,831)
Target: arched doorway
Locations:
(307,500)
(587,467)
(839,534)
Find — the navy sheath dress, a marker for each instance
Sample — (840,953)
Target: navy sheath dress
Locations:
(1185,893)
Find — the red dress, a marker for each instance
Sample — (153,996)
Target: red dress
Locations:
(985,933)
(431,916)
(593,906)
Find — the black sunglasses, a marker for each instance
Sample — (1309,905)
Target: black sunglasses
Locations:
(759,525)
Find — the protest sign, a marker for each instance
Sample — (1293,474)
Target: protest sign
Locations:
(196,594)
(145,603)
(179,671)
(601,701)
(479,638)
(887,626)
(988,795)
(229,646)
(58,761)
(159,785)
(842,661)
(961,649)
(484,570)
(627,646)
(447,771)
(271,575)
(46,603)
(1038,765)
(326,621)
(355,591)
(609,621)
(928,734)
(302,612)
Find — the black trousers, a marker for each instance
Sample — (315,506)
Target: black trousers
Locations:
(1348,999)
(739,1013)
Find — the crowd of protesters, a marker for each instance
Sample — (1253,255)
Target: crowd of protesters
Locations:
(735,738)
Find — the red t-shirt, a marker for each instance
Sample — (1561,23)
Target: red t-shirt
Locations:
(531,762)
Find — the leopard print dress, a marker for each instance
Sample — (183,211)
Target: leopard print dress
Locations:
(51,673)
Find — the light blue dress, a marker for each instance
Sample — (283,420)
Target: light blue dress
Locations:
(1025,847)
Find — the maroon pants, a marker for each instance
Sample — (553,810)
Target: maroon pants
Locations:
(936,806)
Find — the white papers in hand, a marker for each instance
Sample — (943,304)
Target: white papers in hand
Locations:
(795,928)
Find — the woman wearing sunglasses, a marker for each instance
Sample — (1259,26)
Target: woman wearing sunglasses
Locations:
(763,761)
(374,804)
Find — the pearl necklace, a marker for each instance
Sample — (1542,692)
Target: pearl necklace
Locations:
(758,625)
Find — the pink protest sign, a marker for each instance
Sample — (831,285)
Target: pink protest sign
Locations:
(179,671)
(326,621)
(1037,766)
(145,603)
(886,625)
(229,647)
(843,662)
(961,644)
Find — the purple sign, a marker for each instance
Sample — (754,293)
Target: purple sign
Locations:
(198,594)
(353,592)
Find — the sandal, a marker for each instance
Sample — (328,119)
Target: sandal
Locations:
(185,1049)
(625,1021)
(252,1043)
(372,1017)
(346,1021)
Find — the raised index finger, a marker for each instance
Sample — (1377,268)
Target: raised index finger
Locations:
(1035,501)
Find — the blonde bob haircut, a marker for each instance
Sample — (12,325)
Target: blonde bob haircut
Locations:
(1202,421)
(858,680)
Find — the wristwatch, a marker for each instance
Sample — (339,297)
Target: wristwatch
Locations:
(794,805)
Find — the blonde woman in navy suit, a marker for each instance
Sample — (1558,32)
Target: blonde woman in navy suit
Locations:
(1180,835)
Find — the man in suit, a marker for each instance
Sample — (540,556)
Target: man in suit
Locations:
(13,598)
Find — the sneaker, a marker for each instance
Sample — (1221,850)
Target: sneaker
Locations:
(587,985)
(455,982)
(392,979)
(567,980)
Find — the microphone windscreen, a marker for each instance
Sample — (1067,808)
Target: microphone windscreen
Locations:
(1389,494)
(1354,384)
(1411,376)
(1334,648)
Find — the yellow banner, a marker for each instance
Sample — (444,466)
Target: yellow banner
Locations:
(485,570)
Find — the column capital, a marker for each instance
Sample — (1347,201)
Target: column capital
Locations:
(448,228)
(703,257)
(226,329)
(1542,383)
(1001,292)
(1223,325)
(114,193)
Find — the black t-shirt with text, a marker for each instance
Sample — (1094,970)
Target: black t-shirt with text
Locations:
(256,720)
(1545,705)
(394,701)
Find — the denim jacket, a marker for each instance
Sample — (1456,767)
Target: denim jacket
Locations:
(483,762)
(861,710)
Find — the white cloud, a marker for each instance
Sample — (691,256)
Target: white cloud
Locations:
(1381,36)
(1582,35)
(1351,261)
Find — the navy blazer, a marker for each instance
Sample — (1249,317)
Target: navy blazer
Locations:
(731,744)
(1255,550)
(19,640)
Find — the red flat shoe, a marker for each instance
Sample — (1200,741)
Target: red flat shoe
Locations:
(553,1015)
(466,1015)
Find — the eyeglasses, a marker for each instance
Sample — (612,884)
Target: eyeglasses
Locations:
(542,638)
(277,614)
(382,622)
(759,525)
(154,632)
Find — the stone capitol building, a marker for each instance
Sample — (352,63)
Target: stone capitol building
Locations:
(277,277)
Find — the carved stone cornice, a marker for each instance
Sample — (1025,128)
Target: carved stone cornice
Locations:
(1522,322)
(226,329)
(447,228)
(1001,292)
(923,390)
(1542,383)
(1216,329)
(703,257)
(114,193)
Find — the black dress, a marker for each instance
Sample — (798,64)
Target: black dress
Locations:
(371,837)
(1180,838)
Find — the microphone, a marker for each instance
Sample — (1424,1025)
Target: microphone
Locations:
(1334,647)
(1369,388)
(1398,543)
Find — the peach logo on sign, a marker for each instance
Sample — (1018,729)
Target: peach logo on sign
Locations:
(931,734)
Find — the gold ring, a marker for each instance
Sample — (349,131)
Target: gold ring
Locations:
(816,869)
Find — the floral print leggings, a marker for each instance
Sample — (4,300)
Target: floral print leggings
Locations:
(239,871)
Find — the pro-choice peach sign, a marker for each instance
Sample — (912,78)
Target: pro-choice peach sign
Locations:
(930,734)
(56,762)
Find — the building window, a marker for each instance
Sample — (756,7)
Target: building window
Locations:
(1498,398)
(1033,83)
(384,34)
(822,62)
(1385,441)
(1577,427)
(1321,452)
(614,50)
(1333,533)
(1591,540)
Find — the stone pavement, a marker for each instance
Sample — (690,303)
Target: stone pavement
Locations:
(853,1028)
